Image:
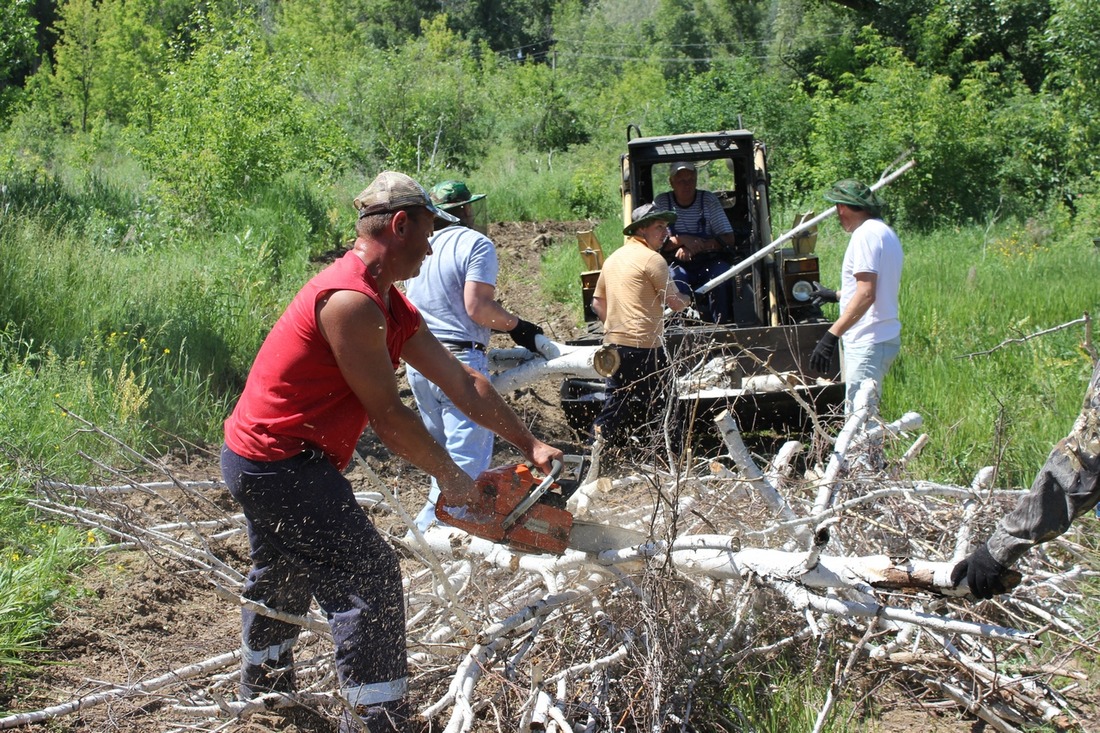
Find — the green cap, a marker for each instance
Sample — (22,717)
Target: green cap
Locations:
(449,194)
(853,193)
(645,215)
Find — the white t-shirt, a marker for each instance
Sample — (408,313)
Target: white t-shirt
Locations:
(874,247)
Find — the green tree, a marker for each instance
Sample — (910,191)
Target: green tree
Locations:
(133,54)
(417,108)
(17,48)
(77,58)
(520,27)
(681,36)
(895,107)
(230,120)
(1074,76)
(543,117)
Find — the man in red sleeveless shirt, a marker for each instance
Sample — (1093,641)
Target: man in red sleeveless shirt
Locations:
(324,372)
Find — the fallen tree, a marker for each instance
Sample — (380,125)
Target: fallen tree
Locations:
(742,563)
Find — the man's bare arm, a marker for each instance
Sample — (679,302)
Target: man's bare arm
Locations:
(356,331)
(484,310)
(861,302)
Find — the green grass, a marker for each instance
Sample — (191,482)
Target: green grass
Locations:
(36,557)
(965,292)
(783,696)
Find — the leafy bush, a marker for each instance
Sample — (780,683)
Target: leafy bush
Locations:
(590,195)
(420,108)
(230,120)
(543,118)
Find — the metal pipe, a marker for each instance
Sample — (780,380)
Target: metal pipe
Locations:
(774,245)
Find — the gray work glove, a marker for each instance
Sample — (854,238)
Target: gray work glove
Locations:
(983,573)
(821,295)
(524,335)
(822,358)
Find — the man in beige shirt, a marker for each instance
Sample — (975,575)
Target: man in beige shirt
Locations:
(631,294)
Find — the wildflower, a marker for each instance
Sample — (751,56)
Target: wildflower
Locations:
(91,537)
(167,351)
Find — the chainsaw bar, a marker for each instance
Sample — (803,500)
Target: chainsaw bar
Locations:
(596,537)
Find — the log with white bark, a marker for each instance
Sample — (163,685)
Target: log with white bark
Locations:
(517,368)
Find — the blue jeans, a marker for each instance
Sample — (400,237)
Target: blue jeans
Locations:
(715,306)
(469,444)
(867,361)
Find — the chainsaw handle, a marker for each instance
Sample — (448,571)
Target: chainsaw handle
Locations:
(534,494)
(556,466)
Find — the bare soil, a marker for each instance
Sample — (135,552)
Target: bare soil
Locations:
(137,617)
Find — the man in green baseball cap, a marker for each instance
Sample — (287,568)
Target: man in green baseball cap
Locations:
(869,283)
(456,293)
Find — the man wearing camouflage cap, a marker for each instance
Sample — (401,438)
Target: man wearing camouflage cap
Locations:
(870,281)
(456,293)
(323,373)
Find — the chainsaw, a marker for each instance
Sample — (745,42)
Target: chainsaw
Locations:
(513,509)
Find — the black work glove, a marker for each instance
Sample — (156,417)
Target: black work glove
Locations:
(984,574)
(822,357)
(524,335)
(821,295)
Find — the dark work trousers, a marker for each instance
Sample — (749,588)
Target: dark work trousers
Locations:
(309,539)
(637,396)
(715,306)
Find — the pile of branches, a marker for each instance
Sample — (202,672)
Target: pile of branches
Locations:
(829,551)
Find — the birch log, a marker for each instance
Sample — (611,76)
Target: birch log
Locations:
(515,369)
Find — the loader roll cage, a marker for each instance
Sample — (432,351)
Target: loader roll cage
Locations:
(766,379)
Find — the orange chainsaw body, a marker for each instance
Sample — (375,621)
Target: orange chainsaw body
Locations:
(545,527)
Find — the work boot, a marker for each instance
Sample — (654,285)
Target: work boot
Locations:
(277,676)
(391,716)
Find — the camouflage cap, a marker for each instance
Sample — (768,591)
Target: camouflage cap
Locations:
(853,193)
(645,215)
(450,194)
(390,191)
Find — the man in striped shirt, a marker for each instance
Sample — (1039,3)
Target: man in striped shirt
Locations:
(701,238)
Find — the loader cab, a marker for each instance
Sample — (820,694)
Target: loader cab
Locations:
(732,165)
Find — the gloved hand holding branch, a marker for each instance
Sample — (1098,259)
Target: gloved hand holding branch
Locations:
(1067,486)
(524,334)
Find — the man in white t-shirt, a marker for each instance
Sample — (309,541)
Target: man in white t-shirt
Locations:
(870,280)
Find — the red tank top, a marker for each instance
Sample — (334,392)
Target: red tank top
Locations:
(295,396)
